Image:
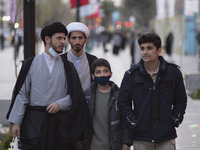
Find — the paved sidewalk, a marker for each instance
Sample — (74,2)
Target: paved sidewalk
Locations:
(7,74)
(189,130)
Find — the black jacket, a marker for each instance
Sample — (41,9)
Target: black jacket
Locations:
(68,124)
(118,134)
(157,108)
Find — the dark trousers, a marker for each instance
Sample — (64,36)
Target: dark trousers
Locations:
(116,50)
(31,144)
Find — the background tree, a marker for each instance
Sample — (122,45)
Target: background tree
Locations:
(47,11)
(142,10)
(108,8)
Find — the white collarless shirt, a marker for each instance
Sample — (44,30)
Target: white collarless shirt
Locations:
(50,61)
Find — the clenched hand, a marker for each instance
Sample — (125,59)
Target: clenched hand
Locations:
(53,108)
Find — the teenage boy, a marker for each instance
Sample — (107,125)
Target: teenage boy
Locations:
(106,132)
(152,98)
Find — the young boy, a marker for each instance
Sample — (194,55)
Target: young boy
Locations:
(106,132)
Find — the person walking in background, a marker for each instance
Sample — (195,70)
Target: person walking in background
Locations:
(77,38)
(198,41)
(117,42)
(17,42)
(124,40)
(132,45)
(106,132)
(152,98)
(169,43)
(105,38)
(2,40)
(46,111)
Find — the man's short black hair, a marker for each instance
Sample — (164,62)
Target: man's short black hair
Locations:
(149,37)
(50,29)
(100,62)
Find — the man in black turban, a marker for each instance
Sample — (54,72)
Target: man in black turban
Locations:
(51,29)
(46,111)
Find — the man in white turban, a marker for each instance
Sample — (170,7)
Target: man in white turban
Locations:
(78,34)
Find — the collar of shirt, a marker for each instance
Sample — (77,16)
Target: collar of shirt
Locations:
(50,61)
(154,74)
(76,59)
(156,71)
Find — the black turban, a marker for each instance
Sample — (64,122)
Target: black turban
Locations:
(56,27)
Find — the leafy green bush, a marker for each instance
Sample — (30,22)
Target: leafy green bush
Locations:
(5,139)
(6,142)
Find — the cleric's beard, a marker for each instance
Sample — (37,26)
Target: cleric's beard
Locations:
(78,49)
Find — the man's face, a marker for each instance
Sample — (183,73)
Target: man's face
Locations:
(57,42)
(77,41)
(149,52)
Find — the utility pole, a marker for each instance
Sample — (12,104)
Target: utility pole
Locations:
(77,10)
(29,28)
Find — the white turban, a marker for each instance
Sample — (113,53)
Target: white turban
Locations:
(78,26)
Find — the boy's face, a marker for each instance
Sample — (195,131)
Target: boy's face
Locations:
(101,71)
(149,52)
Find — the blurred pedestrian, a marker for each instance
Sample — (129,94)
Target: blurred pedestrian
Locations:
(169,43)
(132,45)
(124,40)
(117,42)
(77,37)
(105,38)
(17,42)
(152,98)
(198,40)
(2,39)
(137,54)
(106,132)
(46,111)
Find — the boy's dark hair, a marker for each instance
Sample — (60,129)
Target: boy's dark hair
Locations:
(100,62)
(149,37)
